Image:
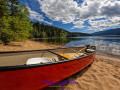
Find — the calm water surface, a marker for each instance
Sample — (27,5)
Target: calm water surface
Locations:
(104,44)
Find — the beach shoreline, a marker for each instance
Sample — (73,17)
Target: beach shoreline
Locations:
(27,45)
(36,45)
(103,74)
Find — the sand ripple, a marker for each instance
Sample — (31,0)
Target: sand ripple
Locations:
(103,74)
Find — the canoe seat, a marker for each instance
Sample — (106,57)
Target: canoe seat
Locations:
(66,56)
(71,56)
(38,60)
(74,54)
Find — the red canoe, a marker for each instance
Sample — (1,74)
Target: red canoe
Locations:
(32,76)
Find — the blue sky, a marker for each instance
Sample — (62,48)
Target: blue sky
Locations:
(86,16)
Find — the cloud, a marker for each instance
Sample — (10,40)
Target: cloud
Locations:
(36,16)
(70,11)
(60,10)
(103,24)
(78,24)
(98,9)
(111,9)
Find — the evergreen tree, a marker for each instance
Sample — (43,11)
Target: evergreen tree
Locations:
(14,22)
(14,5)
(22,11)
(45,31)
(4,21)
(4,11)
(20,23)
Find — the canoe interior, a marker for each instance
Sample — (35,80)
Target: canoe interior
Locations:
(32,77)
(20,58)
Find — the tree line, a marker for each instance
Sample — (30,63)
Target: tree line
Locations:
(46,31)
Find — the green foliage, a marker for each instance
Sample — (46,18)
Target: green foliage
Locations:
(14,22)
(20,28)
(23,11)
(4,22)
(4,11)
(58,41)
(14,7)
(45,31)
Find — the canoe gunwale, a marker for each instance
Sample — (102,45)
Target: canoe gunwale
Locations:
(19,67)
(4,52)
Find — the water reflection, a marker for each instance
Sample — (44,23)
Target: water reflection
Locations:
(110,48)
(108,45)
(104,44)
(57,41)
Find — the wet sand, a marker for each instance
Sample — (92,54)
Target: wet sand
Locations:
(103,74)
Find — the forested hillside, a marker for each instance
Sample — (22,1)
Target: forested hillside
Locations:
(45,31)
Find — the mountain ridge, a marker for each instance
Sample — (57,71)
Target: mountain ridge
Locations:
(77,34)
(107,32)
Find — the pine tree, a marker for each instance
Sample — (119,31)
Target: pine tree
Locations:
(4,21)
(20,23)
(14,23)
(4,11)
(14,5)
(45,31)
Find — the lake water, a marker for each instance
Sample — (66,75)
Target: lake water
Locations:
(104,44)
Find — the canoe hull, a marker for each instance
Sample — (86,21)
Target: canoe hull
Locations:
(34,78)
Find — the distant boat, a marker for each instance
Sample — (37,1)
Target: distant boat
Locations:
(40,65)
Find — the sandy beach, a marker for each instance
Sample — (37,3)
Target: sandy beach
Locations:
(103,74)
(27,45)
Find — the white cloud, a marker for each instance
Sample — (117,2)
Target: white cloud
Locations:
(98,8)
(60,10)
(36,16)
(69,11)
(78,24)
(103,24)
